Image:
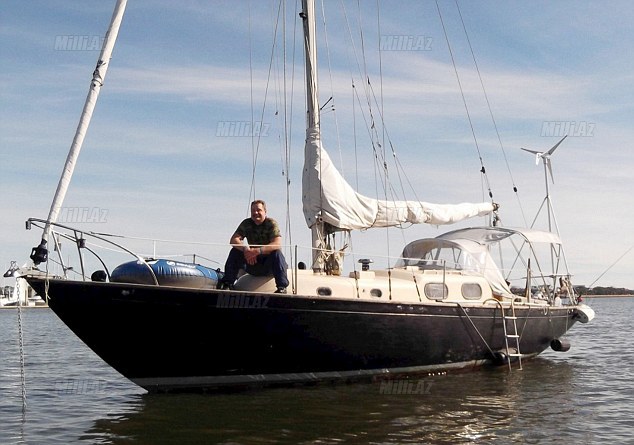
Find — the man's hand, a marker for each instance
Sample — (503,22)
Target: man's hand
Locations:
(251,255)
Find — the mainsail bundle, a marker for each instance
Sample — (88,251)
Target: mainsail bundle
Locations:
(327,197)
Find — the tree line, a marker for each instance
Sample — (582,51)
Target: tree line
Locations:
(601,290)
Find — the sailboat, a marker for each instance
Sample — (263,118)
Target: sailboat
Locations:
(444,305)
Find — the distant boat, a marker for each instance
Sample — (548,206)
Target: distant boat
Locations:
(444,305)
(8,297)
(20,294)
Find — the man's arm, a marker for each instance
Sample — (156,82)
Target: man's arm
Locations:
(274,245)
(250,253)
(236,241)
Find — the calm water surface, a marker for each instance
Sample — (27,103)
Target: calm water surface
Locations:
(583,396)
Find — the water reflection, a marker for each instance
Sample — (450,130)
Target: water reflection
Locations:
(490,406)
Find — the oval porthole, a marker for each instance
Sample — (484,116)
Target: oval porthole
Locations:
(324,291)
(376,293)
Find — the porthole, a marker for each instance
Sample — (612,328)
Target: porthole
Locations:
(376,293)
(324,291)
(471,291)
(436,291)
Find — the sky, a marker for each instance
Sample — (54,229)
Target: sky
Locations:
(167,156)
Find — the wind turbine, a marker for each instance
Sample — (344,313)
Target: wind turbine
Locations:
(545,156)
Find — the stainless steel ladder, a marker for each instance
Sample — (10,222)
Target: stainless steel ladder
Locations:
(511,336)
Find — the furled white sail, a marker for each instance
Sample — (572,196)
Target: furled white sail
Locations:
(329,198)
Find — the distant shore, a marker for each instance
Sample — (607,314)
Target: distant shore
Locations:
(607,296)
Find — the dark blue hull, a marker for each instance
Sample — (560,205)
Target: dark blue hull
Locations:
(167,338)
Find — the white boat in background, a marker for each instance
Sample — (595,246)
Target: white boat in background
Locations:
(446,303)
(19,293)
(8,296)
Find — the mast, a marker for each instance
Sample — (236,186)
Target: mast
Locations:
(313,133)
(310,48)
(39,254)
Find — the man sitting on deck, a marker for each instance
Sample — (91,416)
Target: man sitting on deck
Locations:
(265,258)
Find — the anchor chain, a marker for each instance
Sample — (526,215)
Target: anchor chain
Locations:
(21,346)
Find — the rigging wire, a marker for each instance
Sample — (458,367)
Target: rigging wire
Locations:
(464,101)
(253,150)
(288,116)
(258,139)
(495,126)
(369,120)
(333,108)
(381,107)
(611,266)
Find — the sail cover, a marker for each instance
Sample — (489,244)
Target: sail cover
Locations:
(327,196)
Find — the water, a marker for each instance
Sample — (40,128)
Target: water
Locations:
(583,396)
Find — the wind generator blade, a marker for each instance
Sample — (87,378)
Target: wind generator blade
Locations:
(552,150)
(39,254)
(538,154)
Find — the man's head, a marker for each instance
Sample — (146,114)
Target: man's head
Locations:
(258,211)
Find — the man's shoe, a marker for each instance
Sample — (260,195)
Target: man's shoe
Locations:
(280,290)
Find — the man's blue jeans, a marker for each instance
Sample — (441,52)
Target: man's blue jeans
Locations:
(271,264)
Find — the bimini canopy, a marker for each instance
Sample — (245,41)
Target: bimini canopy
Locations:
(489,235)
(467,250)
